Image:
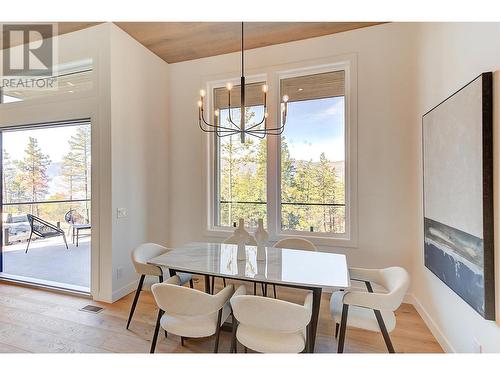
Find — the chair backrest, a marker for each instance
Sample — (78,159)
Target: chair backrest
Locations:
(142,253)
(74,217)
(43,228)
(233,239)
(272,314)
(177,300)
(296,243)
(395,280)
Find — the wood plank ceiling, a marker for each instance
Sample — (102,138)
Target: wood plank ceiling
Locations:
(183,41)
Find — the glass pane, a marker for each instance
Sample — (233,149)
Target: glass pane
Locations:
(71,78)
(241,182)
(312,165)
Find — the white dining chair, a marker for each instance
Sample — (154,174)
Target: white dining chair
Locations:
(370,310)
(295,243)
(268,325)
(190,312)
(150,274)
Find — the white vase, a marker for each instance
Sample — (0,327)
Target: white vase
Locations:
(261,235)
(241,253)
(241,237)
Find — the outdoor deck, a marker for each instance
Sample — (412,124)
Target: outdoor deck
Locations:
(49,260)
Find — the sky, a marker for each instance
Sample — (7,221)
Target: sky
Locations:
(312,127)
(52,141)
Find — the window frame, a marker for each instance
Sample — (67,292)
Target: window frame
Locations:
(273,76)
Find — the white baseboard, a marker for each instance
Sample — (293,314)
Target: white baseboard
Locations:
(122,292)
(433,327)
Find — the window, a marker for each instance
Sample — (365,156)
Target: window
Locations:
(241,168)
(313,154)
(71,78)
(303,182)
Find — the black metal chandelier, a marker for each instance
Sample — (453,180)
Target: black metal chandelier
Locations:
(255,129)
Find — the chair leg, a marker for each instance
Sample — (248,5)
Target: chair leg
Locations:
(274,290)
(191,285)
(381,323)
(343,327)
(217,331)
(65,242)
(136,298)
(383,329)
(157,329)
(77,236)
(245,349)
(233,336)
(337,330)
(29,241)
(254,288)
(224,281)
(212,287)
(264,289)
(182,340)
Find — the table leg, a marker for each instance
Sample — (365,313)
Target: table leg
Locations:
(207,284)
(313,325)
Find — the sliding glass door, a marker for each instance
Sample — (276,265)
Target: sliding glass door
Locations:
(46,204)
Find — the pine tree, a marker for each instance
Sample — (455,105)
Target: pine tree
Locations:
(9,173)
(76,165)
(33,173)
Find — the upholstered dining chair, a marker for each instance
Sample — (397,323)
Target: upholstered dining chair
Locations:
(190,312)
(296,243)
(140,257)
(268,325)
(370,310)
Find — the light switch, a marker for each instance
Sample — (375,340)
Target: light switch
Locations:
(121,212)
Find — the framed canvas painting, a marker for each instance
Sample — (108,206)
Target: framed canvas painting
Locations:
(457,138)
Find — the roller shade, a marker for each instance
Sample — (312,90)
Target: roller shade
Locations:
(253,96)
(314,86)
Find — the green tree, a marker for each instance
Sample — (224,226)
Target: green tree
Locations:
(76,166)
(33,173)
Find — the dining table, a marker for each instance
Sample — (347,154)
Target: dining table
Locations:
(301,269)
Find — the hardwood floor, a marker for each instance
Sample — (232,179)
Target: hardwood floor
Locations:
(33,320)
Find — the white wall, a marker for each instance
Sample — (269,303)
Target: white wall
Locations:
(128,108)
(448,56)
(386,172)
(139,103)
(94,103)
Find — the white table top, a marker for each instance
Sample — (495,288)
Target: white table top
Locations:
(281,266)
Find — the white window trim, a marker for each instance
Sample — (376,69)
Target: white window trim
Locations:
(272,75)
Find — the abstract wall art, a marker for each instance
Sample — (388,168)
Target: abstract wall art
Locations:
(457,152)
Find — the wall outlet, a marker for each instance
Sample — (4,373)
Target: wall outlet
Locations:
(121,212)
(476,346)
(119,273)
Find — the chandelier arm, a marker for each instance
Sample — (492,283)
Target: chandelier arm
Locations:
(268,129)
(214,126)
(261,136)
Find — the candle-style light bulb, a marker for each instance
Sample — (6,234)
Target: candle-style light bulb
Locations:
(266,115)
(264,88)
(200,103)
(216,113)
(229,86)
(202,93)
(285,98)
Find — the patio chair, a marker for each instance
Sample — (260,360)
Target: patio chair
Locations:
(76,223)
(43,229)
